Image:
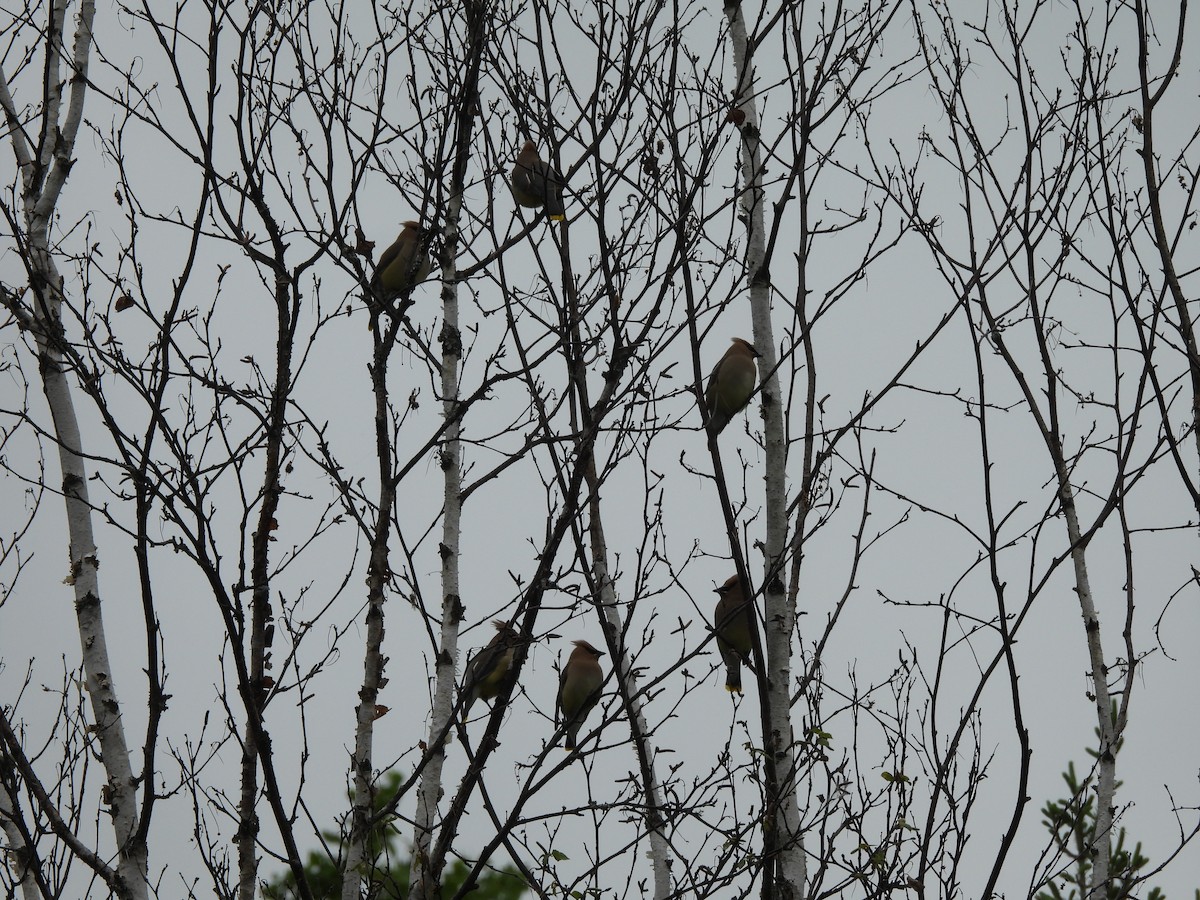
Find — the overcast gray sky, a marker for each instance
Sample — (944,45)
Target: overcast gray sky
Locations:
(927,461)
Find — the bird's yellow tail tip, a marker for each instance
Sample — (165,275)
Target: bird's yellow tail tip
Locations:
(558,218)
(733,690)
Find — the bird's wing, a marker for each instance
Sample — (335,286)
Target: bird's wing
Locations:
(558,710)
(388,256)
(710,390)
(522,180)
(545,180)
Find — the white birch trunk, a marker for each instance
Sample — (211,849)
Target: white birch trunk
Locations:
(780,615)
(40,200)
(17,852)
(102,693)
(422,886)
(1106,782)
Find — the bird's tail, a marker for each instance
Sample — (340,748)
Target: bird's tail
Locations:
(733,677)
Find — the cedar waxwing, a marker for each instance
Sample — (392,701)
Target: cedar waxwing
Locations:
(578,689)
(485,673)
(730,384)
(535,184)
(405,263)
(732,623)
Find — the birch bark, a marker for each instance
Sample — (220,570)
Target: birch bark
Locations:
(42,180)
(425,874)
(780,614)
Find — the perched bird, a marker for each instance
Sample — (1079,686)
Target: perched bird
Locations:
(578,689)
(732,622)
(485,673)
(730,384)
(535,184)
(405,263)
